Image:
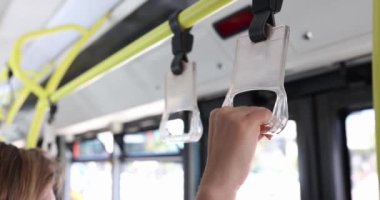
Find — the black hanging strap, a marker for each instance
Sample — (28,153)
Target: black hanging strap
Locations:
(52,112)
(263,14)
(182,43)
(9,73)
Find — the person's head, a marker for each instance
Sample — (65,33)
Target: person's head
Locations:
(26,174)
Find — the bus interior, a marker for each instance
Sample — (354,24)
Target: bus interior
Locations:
(85,80)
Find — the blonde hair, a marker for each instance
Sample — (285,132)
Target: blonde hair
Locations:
(25,174)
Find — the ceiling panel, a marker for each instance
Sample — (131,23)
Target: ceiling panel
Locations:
(20,17)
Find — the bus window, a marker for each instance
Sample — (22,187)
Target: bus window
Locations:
(91,170)
(91,180)
(152,179)
(274,174)
(360,129)
(97,148)
(149,143)
(152,169)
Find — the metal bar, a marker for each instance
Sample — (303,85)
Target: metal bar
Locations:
(376,76)
(116,170)
(56,78)
(23,94)
(188,18)
(32,84)
(41,108)
(4,74)
(15,60)
(191,166)
(73,53)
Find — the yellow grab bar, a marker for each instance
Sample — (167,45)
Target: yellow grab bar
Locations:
(72,54)
(41,108)
(4,74)
(188,18)
(23,94)
(15,60)
(1,114)
(376,77)
(54,81)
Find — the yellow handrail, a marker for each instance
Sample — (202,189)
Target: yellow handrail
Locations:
(61,70)
(15,59)
(54,81)
(76,49)
(38,119)
(1,114)
(4,74)
(376,76)
(23,94)
(188,18)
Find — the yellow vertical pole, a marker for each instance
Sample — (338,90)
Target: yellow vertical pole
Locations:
(188,18)
(23,94)
(39,116)
(376,76)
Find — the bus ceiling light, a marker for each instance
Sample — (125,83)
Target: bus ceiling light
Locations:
(181,109)
(259,68)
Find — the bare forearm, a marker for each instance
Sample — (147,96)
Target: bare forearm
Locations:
(210,193)
(233,136)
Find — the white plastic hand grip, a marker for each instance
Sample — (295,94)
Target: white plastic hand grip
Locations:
(48,141)
(261,67)
(180,97)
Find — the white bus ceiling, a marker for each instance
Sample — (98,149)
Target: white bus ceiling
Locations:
(340,30)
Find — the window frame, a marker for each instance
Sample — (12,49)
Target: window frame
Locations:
(188,156)
(332,110)
(330,96)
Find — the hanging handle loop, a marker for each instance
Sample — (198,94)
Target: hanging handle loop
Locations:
(263,14)
(52,113)
(181,120)
(182,43)
(49,134)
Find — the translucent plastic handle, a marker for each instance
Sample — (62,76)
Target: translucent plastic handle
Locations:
(181,120)
(261,67)
(48,141)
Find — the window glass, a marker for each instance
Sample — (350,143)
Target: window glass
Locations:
(274,173)
(91,148)
(99,147)
(146,180)
(360,129)
(91,180)
(148,143)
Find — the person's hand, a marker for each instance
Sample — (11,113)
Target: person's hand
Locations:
(233,136)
